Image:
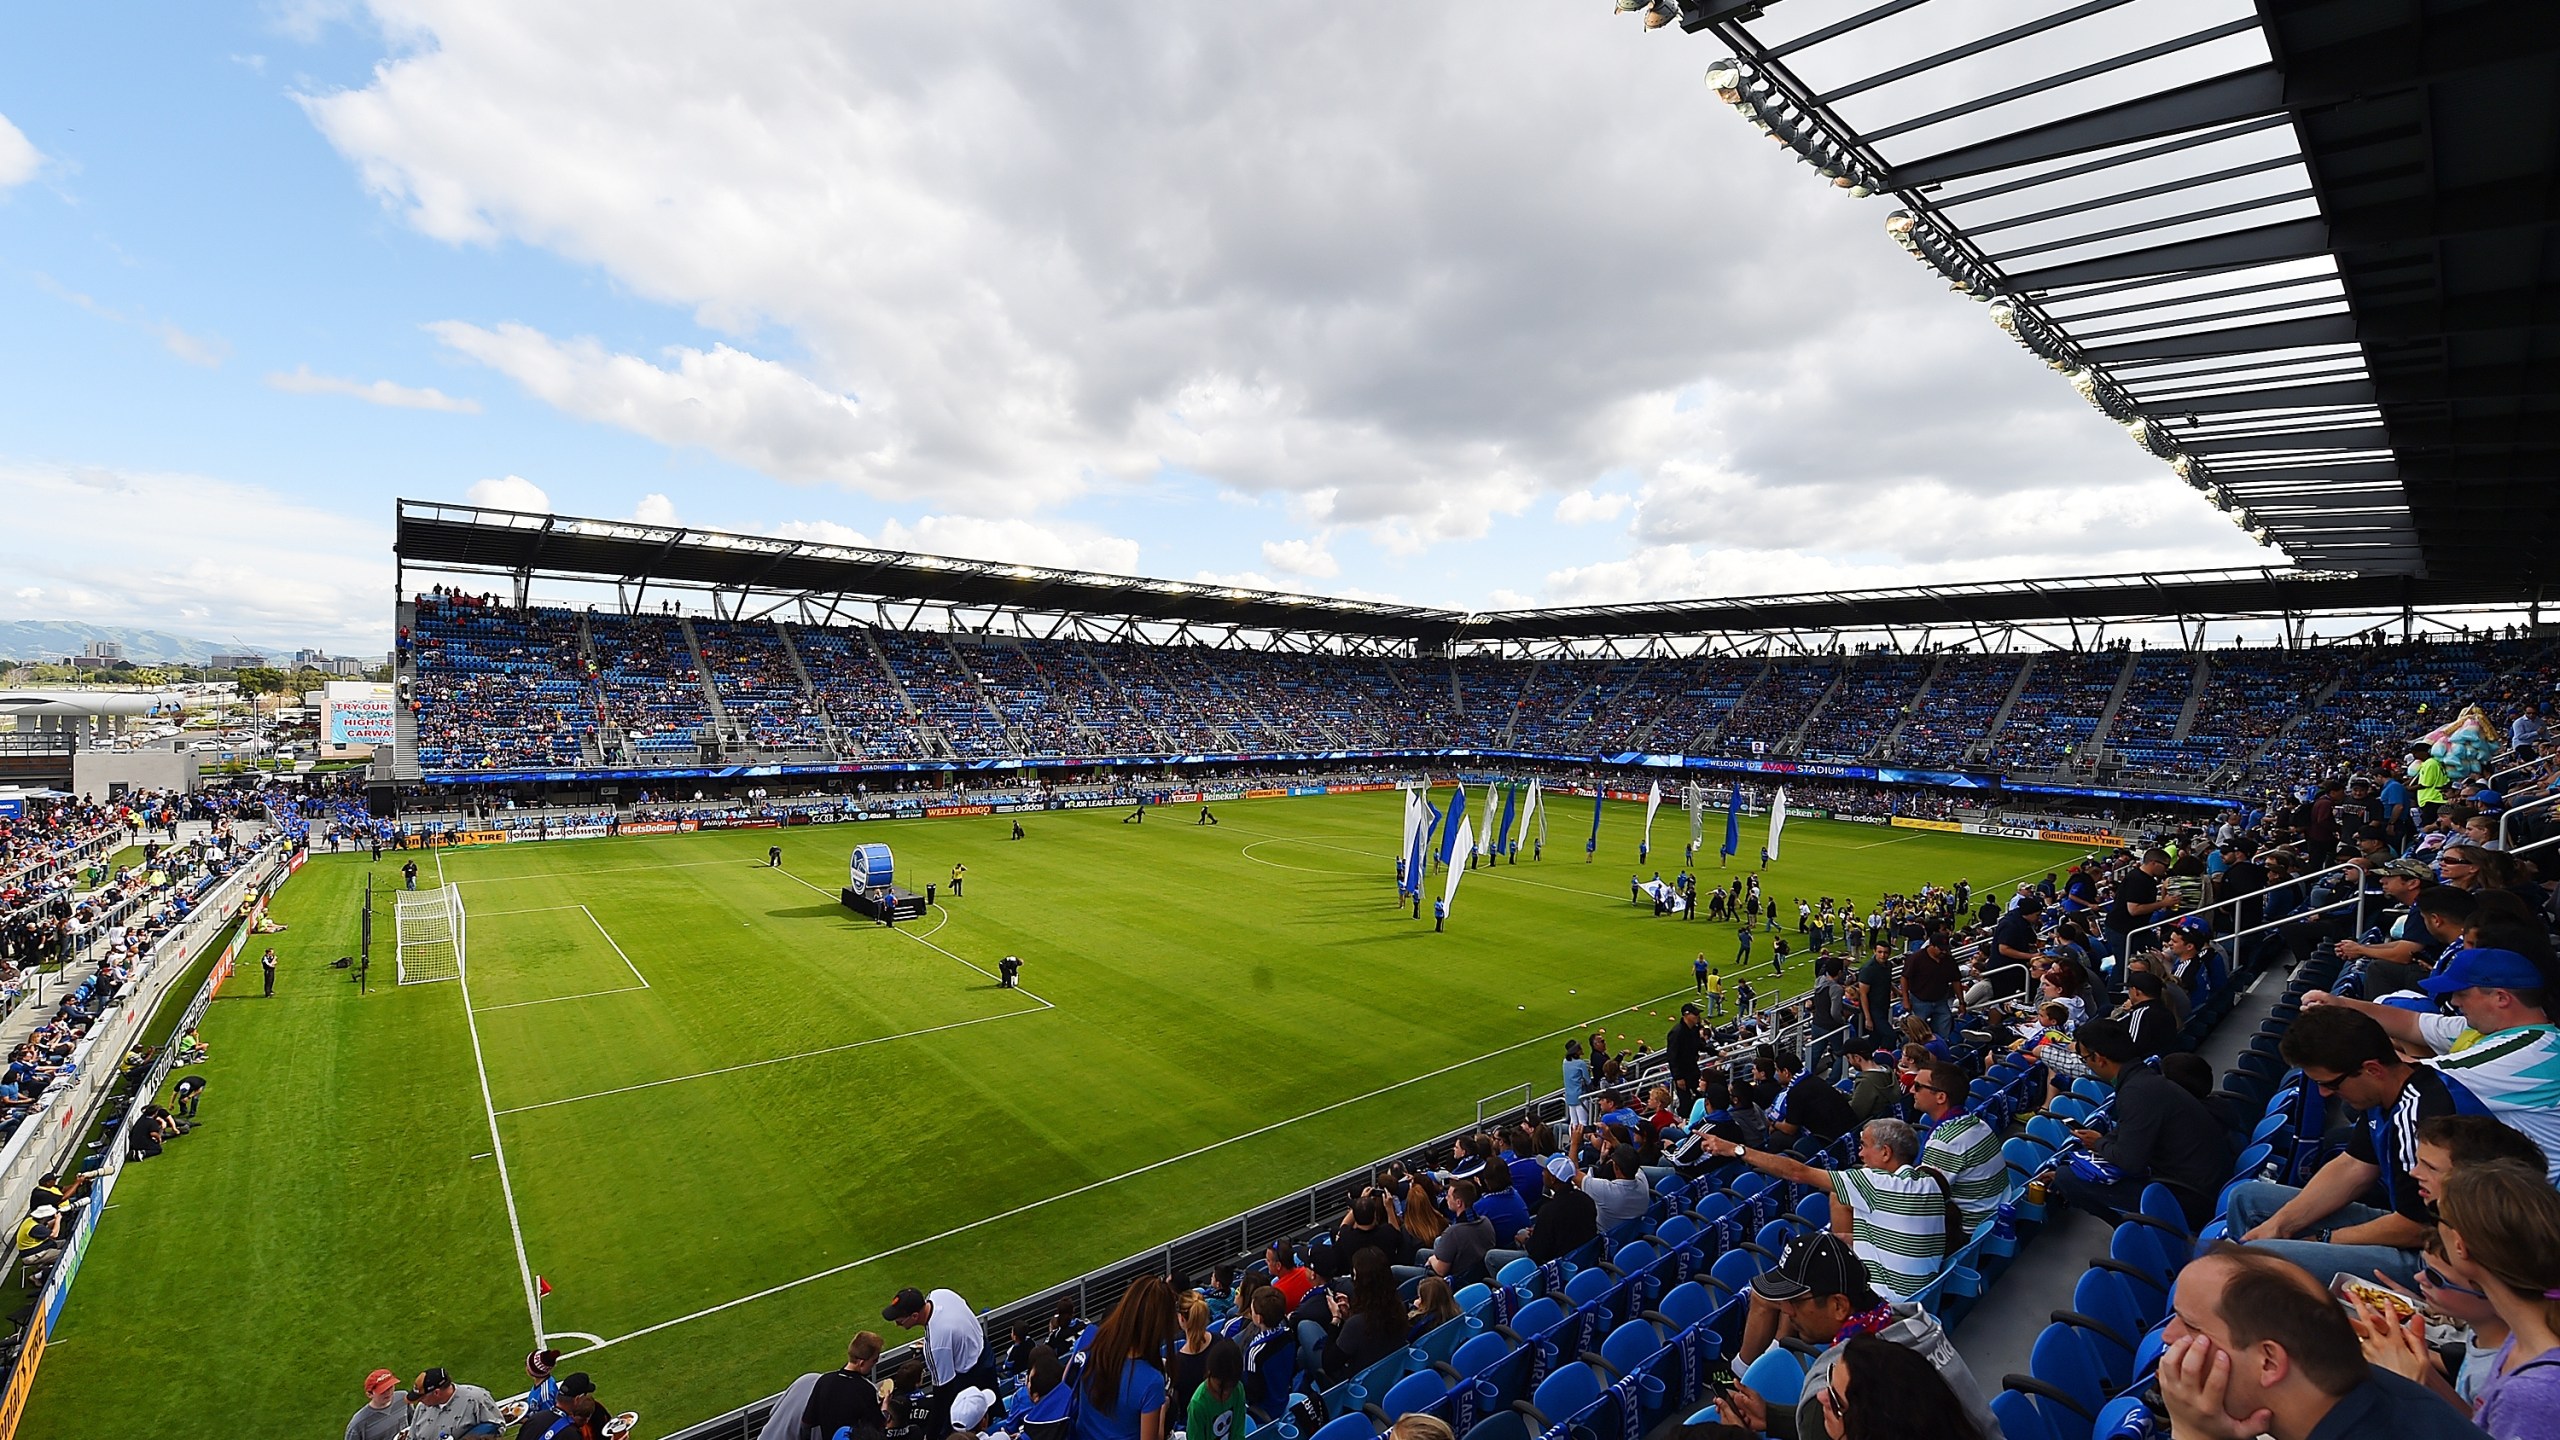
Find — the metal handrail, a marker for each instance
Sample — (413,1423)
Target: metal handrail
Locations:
(2511,812)
(2234,902)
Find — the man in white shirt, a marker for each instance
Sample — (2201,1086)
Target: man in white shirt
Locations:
(955,1347)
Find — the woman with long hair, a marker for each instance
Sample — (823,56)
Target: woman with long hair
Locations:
(1126,1389)
(1422,1221)
(2502,1221)
(1882,1391)
(1368,1324)
(1433,1306)
(1191,1358)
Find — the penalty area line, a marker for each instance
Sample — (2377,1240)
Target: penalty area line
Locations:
(497,1146)
(1149,1168)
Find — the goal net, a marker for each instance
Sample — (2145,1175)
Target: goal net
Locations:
(429,934)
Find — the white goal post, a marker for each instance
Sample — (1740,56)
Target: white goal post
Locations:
(429,928)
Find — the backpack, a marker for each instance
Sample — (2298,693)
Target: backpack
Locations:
(1953,1233)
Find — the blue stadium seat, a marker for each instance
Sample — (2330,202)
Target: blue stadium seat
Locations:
(1735,1269)
(1588,1286)
(1566,1393)
(1354,1426)
(2127,1418)
(2115,1301)
(1417,1391)
(2049,1132)
(2095,1092)
(1816,1207)
(1778,1375)
(2018,1416)
(1632,1346)
(1683,1307)
(1500,1425)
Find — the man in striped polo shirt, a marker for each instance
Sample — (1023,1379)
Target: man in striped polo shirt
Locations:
(1963,1147)
(1897,1212)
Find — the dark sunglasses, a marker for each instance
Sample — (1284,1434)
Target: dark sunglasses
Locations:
(2434,1278)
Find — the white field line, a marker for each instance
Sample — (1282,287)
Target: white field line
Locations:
(759,1064)
(497,1146)
(929,945)
(1150,1167)
(528,910)
(617,949)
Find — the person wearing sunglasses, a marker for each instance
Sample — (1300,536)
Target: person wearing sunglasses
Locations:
(2321,1226)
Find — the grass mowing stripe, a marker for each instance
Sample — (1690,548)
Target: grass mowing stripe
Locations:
(755,1064)
(1110,1180)
(497,1145)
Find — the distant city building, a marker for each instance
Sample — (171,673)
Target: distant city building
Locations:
(104,650)
(344,665)
(315,658)
(241,661)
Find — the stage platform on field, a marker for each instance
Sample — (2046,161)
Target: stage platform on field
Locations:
(899,904)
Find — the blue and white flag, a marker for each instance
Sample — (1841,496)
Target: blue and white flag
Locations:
(1599,797)
(1505,840)
(1459,834)
(1457,820)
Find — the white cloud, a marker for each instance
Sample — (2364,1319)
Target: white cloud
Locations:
(231,560)
(654,509)
(986,261)
(1307,558)
(208,351)
(300,381)
(1582,508)
(1060,544)
(509,492)
(19,159)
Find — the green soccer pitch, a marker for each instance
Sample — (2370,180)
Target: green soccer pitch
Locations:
(735,1118)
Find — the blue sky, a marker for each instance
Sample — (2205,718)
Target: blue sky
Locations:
(1277,295)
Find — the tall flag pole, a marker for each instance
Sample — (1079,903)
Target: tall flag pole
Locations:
(1732,825)
(1693,799)
(1652,802)
(1777,820)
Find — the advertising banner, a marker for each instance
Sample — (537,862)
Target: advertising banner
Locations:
(356,712)
(1264,794)
(2075,837)
(478,837)
(940,812)
(1909,822)
(2006,832)
(652,827)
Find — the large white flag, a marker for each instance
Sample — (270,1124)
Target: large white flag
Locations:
(1484,832)
(1466,837)
(1528,811)
(1652,802)
(1777,820)
(1413,823)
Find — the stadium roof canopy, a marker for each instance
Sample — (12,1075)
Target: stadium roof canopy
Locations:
(2306,250)
(761,570)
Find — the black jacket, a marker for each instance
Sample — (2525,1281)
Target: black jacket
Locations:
(1687,1048)
(2165,1133)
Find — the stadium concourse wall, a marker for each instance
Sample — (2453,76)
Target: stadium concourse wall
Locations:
(47,1139)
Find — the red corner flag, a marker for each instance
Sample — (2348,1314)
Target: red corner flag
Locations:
(541,1287)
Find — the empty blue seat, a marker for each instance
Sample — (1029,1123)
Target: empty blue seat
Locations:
(2049,1132)
(1632,1346)
(1816,1207)
(2064,1359)
(1774,1235)
(1417,1391)
(1683,1307)
(1590,1285)
(1566,1393)
(1354,1426)
(2019,1419)
(2095,1092)
(1500,1425)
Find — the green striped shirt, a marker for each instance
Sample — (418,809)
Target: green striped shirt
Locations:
(1898,1225)
(1965,1150)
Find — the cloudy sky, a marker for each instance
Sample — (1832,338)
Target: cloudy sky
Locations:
(1482,307)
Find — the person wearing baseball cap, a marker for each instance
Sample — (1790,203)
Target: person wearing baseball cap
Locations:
(1820,1292)
(955,1346)
(439,1407)
(382,1416)
(969,1409)
(576,1415)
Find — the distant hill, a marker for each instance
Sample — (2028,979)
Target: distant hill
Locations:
(55,639)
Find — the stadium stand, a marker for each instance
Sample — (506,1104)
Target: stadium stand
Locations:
(2064,699)
(1957,711)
